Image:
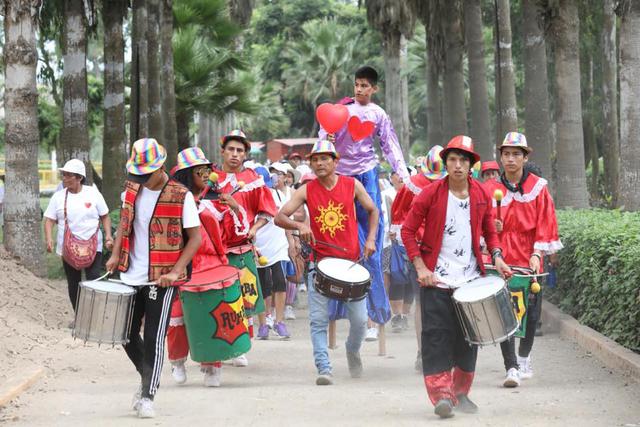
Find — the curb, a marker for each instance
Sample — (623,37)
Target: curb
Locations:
(17,384)
(609,352)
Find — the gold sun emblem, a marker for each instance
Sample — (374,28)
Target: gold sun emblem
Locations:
(331,218)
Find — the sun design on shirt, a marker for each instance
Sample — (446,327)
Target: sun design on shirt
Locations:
(331,218)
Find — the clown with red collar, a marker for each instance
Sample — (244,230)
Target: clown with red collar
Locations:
(528,231)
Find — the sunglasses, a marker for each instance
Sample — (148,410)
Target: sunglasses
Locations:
(203,171)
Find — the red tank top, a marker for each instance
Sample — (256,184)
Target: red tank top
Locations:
(332,214)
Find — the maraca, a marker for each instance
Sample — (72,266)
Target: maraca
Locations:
(498,195)
(238,188)
(535,287)
(213,177)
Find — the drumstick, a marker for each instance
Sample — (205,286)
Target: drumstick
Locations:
(238,188)
(320,242)
(498,195)
(356,262)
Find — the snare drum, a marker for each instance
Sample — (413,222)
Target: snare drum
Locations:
(485,311)
(342,279)
(104,311)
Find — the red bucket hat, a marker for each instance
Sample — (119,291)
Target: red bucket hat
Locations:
(462,143)
(491,165)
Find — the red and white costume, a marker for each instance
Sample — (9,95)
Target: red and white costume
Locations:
(402,203)
(255,200)
(529,220)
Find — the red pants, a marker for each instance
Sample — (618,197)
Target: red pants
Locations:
(177,342)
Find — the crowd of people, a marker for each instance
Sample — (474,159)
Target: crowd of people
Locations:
(253,236)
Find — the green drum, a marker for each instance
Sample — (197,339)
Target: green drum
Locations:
(249,282)
(215,320)
(519,288)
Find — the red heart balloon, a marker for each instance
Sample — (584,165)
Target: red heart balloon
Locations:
(332,117)
(360,130)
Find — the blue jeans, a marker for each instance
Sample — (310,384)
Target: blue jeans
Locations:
(319,320)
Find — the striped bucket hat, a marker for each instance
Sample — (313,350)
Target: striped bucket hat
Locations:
(147,156)
(190,157)
(517,140)
(324,147)
(236,135)
(433,166)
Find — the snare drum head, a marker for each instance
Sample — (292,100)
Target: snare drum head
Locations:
(343,270)
(106,286)
(479,289)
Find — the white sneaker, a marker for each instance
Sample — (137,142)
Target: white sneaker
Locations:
(178,372)
(240,361)
(372,334)
(289,313)
(212,376)
(135,402)
(512,379)
(526,368)
(145,408)
(269,321)
(302,287)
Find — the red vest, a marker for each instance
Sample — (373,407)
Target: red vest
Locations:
(332,214)
(165,229)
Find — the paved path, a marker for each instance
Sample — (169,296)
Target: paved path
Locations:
(91,386)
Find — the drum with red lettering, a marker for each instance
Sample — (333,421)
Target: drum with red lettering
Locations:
(214,316)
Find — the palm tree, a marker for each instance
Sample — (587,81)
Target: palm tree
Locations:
(323,61)
(153,56)
(480,123)
(21,210)
(611,145)
(139,73)
(454,110)
(202,81)
(394,19)
(75,132)
(536,92)
(168,84)
(571,190)
(114,143)
(430,12)
(629,108)
(505,79)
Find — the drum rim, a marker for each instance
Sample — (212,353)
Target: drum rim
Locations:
(318,270)
(364,282)
(130,289)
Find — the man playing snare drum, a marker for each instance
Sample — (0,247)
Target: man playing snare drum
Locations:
(156,216)
(456,211)
(333,232)
(528,230)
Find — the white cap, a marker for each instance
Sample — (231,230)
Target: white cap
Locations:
(75,166)
(281,167)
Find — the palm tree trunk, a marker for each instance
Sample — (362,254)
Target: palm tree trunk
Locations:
(611,146)
(571,188)
(480,122)
(153,56)
(139,73)
(203,131)
(21,209)
(588,127)
(536,93)
(505,79)
(75,133)
(629,108)
(183,119)
(455,111)
(393,83)
(114,144)
(168,85)
(434,98)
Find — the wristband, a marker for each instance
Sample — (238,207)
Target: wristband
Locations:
(495,254)
(535,254)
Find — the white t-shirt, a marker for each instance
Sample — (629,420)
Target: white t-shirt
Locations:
(388,195)
(271,240)
(456,261)
(84,210)
(138,271)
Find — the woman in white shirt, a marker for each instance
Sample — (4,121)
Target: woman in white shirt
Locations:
(86,209)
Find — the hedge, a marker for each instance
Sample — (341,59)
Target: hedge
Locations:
(598,278)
